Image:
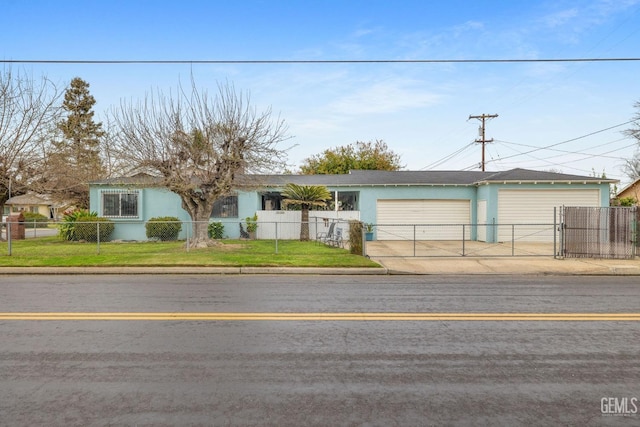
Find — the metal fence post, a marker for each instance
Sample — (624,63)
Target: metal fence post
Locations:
(276,237)
(8,225)
(189,226)
(555,229)
(98,236)
(513,239)
(463,239)
(414,240)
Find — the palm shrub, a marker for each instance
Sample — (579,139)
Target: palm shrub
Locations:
(215,230)
(163,228)
(305,197)
(355,237)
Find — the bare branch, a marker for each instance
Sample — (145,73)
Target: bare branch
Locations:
(28,112)
(197,144)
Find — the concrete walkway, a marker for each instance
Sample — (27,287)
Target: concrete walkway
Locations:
(510,265)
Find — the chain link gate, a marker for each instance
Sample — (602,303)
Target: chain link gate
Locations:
(599,232)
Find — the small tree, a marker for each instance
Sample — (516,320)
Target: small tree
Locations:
(359,156)
(306,197)
(198,145)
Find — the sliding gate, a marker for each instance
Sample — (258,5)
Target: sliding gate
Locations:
(608,232)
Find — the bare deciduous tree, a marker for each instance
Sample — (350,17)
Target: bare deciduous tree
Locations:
(197,145)
(28,112)
(631,168)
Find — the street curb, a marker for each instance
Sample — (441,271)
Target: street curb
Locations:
(192,270)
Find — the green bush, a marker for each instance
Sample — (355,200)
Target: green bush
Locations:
(86,228)
(355,237)
(163,228)
(68,226)
(36,220)
(215,230)
(252,223)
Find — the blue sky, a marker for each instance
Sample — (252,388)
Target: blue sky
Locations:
(421,110)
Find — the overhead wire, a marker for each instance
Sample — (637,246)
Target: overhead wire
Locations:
(309,61)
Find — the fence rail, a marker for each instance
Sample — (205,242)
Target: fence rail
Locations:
(588,232)
(98,234)
(446,240)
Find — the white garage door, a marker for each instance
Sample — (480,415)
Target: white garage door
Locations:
(423,219)
(535,209)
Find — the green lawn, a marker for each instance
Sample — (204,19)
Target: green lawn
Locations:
(53,252)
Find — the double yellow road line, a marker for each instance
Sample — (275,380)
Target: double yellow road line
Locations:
(417,317)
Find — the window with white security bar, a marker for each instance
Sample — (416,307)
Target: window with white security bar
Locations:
(120,204)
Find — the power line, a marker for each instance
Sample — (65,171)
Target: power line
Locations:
(570,140)
(307,61)
(476,165)
(446,158)
(567,151)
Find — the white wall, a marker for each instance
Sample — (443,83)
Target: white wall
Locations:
(287,223)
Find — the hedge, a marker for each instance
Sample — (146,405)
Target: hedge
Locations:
(163,228)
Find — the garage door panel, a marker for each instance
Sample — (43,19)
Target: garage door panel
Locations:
(422,219)
(535,208)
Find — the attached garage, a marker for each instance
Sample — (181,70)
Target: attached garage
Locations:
(422,219)
(527,215)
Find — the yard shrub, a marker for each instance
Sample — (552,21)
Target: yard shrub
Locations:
(82,225)
(86,228)
(215,230)
(68,226)
(36,220)
(355,237)
(163,228)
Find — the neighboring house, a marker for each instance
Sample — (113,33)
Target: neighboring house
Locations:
(631,190)
(35,203)
(486,202)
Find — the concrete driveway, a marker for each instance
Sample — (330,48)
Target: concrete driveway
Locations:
(445,257)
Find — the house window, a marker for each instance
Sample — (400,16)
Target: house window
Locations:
(120,204)
(347,200)
(271,201)
(225,207)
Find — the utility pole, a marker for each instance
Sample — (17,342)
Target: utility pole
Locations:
(483,118)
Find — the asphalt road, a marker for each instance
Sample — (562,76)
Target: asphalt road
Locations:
(180,370)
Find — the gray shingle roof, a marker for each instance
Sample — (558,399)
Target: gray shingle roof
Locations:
(516,175)
(379,178)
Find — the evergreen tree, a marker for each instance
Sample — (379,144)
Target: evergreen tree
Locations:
(75,159)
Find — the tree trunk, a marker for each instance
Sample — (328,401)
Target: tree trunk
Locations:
(199,212)
(304,227)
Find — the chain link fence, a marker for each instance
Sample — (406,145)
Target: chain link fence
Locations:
(471,240)
(382,240)
(98,236)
